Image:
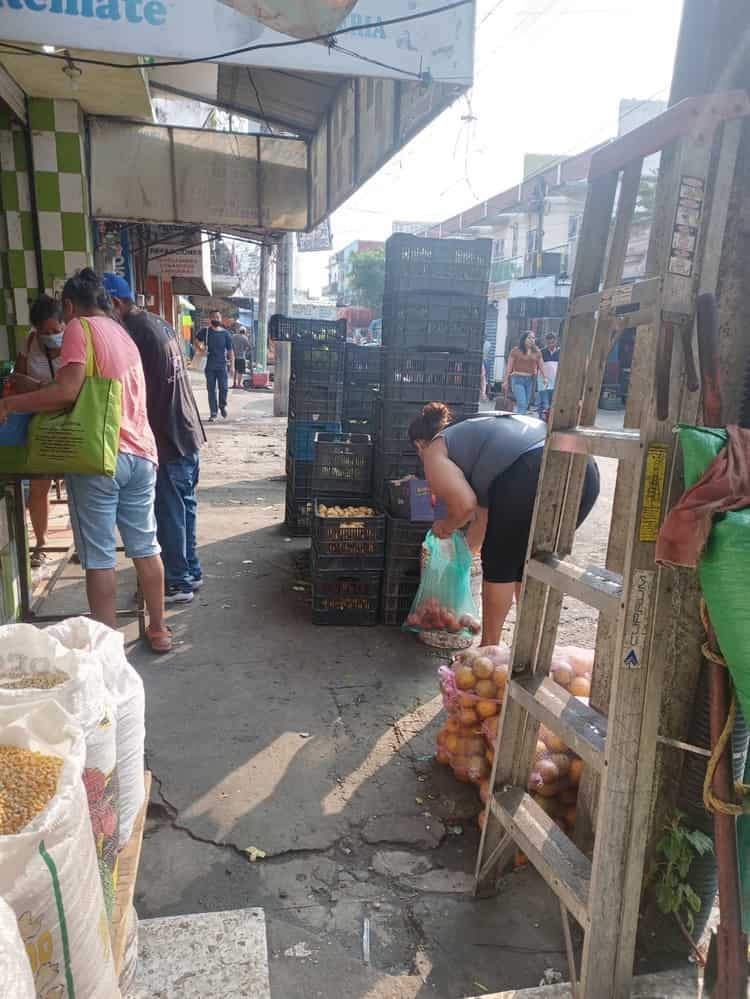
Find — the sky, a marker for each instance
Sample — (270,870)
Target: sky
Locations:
(549,75)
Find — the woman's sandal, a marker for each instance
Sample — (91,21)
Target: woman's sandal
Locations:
(37,558)
(159,641)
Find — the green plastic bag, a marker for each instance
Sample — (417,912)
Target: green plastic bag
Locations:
(85,439)
(444,602)
(724,573)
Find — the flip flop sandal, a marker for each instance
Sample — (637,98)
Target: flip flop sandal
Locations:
(37,558)
(160,642)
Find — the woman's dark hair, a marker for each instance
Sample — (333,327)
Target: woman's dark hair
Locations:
(43,309)
(86,290)
(435,416)
(522,340)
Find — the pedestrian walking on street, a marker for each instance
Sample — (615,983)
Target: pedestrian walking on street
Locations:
(550,364)
(241,348)
(219,353)
(524,366)
(176,424)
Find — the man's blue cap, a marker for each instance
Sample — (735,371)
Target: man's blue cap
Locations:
(117,286)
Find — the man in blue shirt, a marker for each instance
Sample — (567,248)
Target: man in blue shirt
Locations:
(216,344)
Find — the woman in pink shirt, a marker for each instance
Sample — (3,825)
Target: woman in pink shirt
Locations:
(99,504)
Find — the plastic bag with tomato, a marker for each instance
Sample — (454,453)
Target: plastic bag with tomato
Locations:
(444,602)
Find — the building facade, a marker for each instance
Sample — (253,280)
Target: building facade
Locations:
(339,264)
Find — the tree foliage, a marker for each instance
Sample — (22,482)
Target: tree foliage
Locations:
(367,279)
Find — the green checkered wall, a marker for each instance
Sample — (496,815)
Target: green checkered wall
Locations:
(58,167)
(61,188)
(18,272)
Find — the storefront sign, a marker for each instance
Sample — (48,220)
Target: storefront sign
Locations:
(440,45)
(317,240)
(189,267)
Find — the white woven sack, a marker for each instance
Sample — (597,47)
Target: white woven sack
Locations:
(15,970)
(126,688)
(29,650)
(48,871)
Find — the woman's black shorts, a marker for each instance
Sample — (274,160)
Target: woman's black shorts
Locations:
(511,508)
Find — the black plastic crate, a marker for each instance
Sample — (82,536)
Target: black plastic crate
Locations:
(403,544)
(410,376)
(360,401)
(416,321)
(387,465)
(345,598)
(395,418)
(413,263)
(343,464)
(363,364)
(300,436)
(310,401)
(299,497)
(321,330)
(353,537)
(364,425)
(397,596)
(321,363)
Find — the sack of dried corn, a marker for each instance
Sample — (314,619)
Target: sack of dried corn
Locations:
(36,668)
(126,687)
(48,867)
(15,970)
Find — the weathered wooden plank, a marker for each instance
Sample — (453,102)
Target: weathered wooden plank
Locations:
(623,445)
(577,724)
(596,587)
(562,865)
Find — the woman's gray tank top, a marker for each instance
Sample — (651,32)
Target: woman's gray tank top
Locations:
(484,447)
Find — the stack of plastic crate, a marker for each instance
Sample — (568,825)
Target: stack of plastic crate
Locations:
(348,532)
(315,399)
(434,314)
(362,373)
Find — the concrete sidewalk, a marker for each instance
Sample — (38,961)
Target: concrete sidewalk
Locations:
(315,746)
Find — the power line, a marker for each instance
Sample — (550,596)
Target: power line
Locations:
(330,38)
(489,14)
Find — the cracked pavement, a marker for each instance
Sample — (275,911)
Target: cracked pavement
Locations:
(314,745)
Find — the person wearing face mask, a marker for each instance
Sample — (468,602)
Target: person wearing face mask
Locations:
(36,366)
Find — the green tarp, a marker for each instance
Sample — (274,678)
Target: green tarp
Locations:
(724,574)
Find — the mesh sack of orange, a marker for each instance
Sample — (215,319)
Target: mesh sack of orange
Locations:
(473,689)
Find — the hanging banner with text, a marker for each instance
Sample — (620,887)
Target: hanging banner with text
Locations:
(440,45)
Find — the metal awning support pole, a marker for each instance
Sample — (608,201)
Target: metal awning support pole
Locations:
(261,350)
(284,296)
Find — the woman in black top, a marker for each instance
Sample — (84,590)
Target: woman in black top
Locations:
(485,470)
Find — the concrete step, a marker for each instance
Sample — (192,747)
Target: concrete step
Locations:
(212,955)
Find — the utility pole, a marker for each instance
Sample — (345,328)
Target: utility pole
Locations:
(261,352)
(284,299)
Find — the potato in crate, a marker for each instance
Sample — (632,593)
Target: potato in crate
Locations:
(348,537)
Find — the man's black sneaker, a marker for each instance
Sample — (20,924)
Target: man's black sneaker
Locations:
(224,413)
(175,596)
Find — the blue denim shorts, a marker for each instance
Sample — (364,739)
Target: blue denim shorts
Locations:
(99,504)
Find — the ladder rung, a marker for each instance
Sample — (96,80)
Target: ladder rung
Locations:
(578,725)
(562,865)
(625,445)
(596,587)
(633,303)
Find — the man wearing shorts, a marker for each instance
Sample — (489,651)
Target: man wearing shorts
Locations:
(100,505)
(241,345)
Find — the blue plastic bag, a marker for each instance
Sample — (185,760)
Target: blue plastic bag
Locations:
(444,602)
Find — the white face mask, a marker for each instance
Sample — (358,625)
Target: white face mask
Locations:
(52,341)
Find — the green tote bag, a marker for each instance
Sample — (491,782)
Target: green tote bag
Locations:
(85,439)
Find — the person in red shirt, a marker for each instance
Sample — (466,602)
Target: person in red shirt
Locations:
(98,504)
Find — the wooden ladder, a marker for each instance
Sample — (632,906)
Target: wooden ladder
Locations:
(698,141)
